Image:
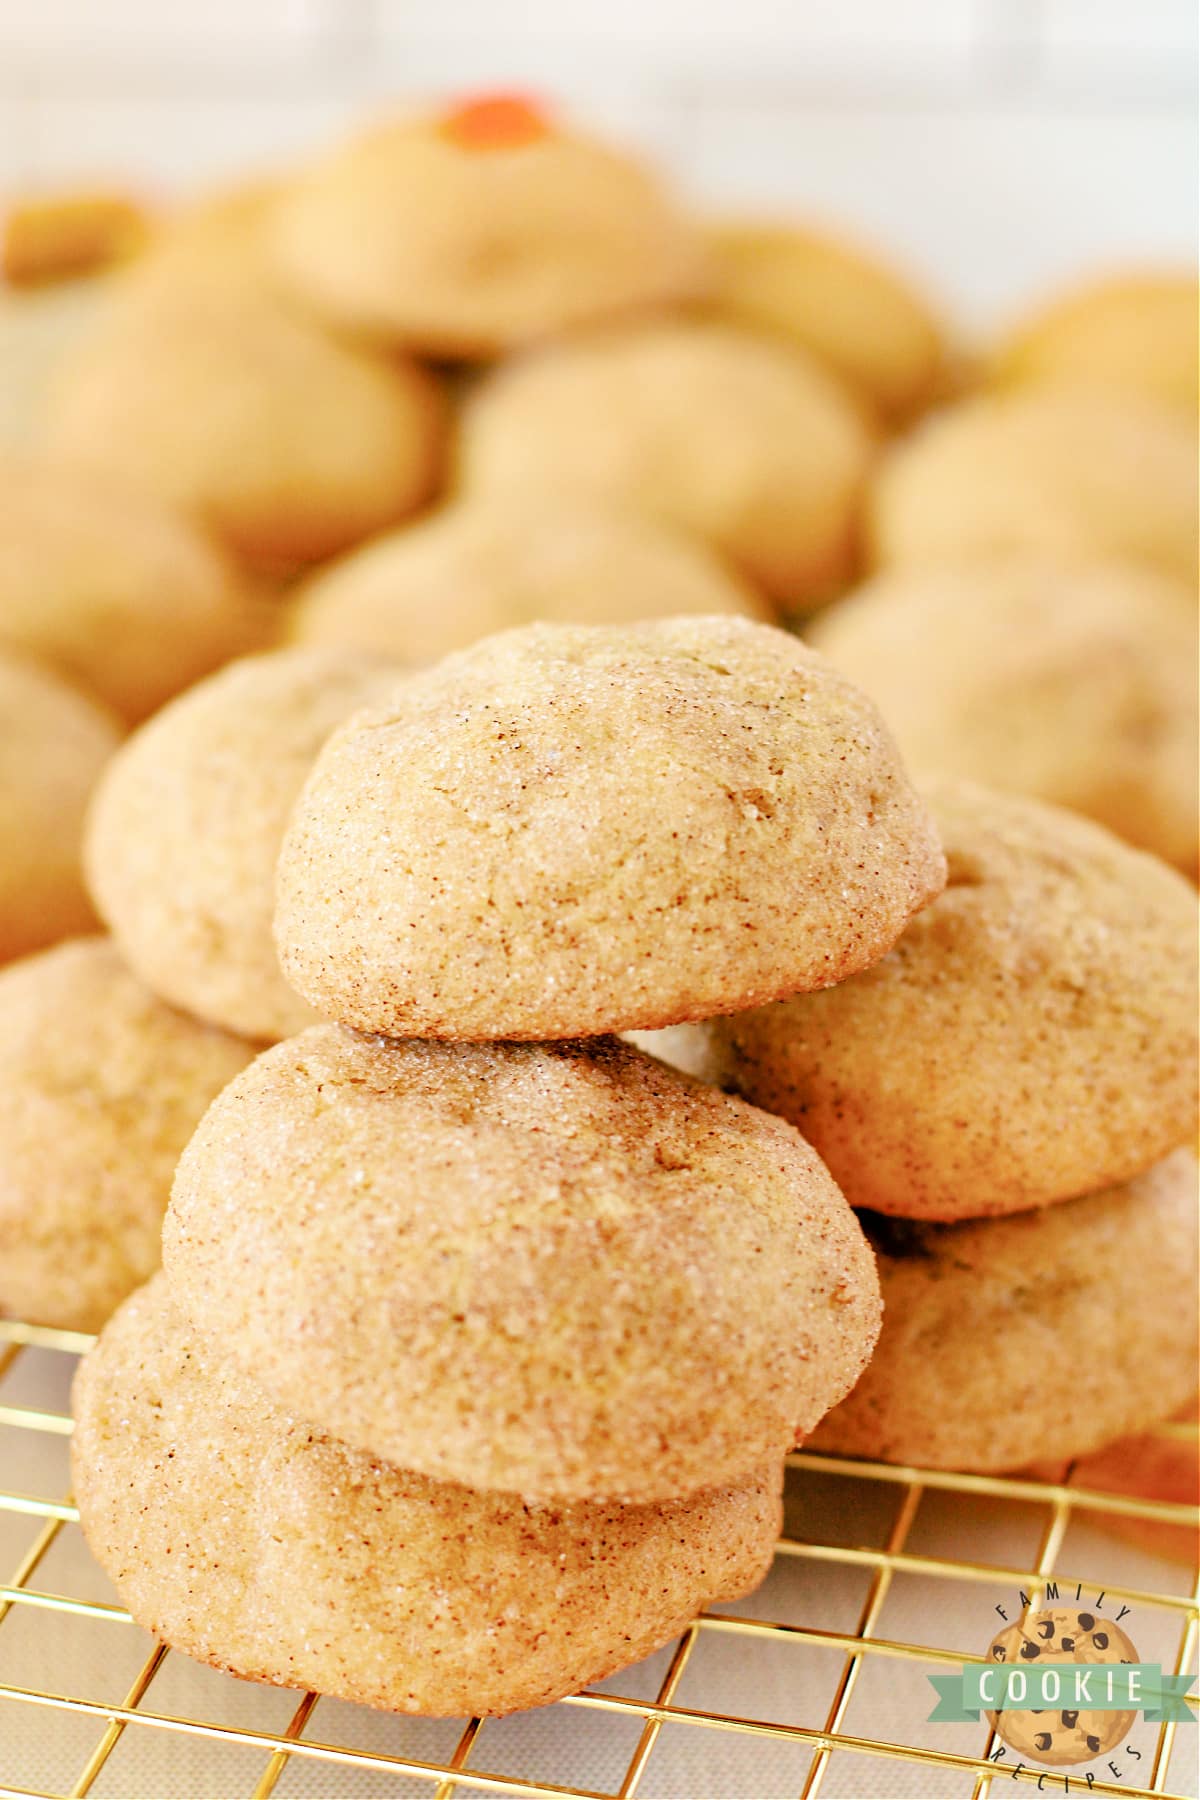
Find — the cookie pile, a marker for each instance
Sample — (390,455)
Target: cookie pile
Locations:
(1004,1098)
(481,1335)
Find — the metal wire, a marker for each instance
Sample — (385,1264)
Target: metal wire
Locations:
(466,1764)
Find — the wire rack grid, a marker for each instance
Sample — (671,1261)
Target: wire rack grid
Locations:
(296,1755)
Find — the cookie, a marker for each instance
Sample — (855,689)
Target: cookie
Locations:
(243,1537)
(1031,1037)
(748,443)
(288,444)
(568,830)
(563,1270)
(836,300)
(1068,679)
(185,828)
(484,565)
(52,748)
(1068,1734)
(1135,332)
(471,231)
(1047,468)
(101,1086)
(124,596)
(38,326)
(1047,1334)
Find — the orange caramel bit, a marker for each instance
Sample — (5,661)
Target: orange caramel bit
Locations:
(496,122)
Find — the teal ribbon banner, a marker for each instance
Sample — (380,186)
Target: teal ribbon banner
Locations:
(1049,1687)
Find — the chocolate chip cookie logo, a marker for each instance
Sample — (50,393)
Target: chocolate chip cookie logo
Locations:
(1062,1686)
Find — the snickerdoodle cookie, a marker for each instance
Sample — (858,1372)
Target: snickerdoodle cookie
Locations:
(184,830)
(484,565)
(1068,679)
(571,829)
(1031,1037)
(1044,1335)
(101,1086)
(1054,468)
(745,441)
(53,744)
(835,299)
(468,232)
(1134,331)
(287,443)
(243,1537)
(123,595)
(561,1270)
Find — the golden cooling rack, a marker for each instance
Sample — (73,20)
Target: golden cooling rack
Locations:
(836,1672)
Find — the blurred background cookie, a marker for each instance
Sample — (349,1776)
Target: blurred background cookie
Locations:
(560,1270)
(101,1086)
(53,744)
(474,230)
(1133,331)
(574,829)
(1043,1335)
(186,826)
(1031,1037)
(838,301)
(1056,468)
(124,596)
(483,565)
(748,442)
(288,444)
(1068,679)
(311,1565)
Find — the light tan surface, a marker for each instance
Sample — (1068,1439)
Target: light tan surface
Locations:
(1048,468)
(570,830)
(184,831)
(747,442)
(126,597)
(101,1086)
(53,745)
(564,1270)
(38,326)
(466,250)
(1135,331)
(834,299)
(485,565)
(288,444)
(1067,679)
(241,1536)
(1045,1335)
(1031,1037)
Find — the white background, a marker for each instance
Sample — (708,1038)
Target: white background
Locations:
(996,145)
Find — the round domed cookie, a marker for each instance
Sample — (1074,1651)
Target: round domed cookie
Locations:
(1047,1334)
(836,300)
(311,1565)
(53,745)
(1069,679)
(471,231)
(484,565)
(559,1270)
(1054,468)
(288,444)
(748,443)
(101,1086)
(123,595)
(1134,331)
(570,829)
(1071,1734)
(1031,1037)
(184,830)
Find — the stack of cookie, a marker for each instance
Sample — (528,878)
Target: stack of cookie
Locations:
(481,1335)
(1006,1097)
